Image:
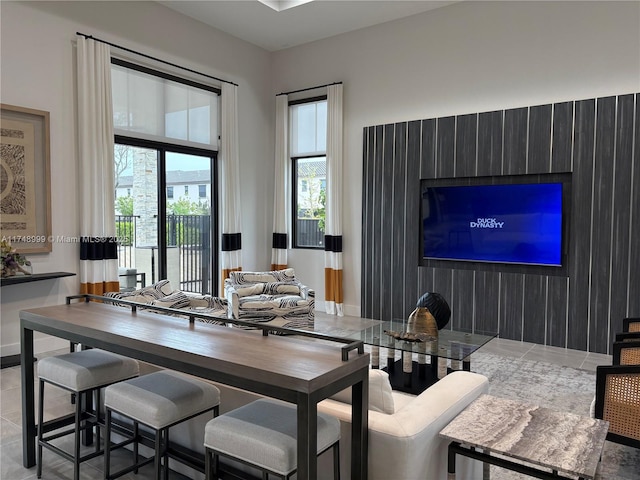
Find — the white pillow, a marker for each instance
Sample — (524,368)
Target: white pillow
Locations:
(380,393)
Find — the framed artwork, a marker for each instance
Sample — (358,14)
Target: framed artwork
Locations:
(25,179)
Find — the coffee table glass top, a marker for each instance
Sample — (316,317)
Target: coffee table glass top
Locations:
(450,343)
(561,441)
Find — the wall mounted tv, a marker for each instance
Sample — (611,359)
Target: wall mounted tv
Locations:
(519,220)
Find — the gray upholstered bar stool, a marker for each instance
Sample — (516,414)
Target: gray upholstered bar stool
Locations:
(263,434)
(82,373)
(159,400)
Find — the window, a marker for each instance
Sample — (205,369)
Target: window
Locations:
(202,191)
(308,133)
(166,134)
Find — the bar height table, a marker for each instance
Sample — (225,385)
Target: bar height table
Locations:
(265,364)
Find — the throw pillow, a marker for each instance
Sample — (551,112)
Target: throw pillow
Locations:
(177,299)
(380,393)
(241,277)
(249,290)
(281,288)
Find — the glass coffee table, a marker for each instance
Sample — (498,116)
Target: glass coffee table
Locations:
(450,351)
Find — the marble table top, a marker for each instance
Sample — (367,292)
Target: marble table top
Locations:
(569,443)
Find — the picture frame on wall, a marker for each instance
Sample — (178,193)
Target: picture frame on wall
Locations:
(25,179)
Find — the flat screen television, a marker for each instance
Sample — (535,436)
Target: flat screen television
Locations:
(519,222)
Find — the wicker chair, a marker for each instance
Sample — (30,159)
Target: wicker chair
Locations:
(618,402)
(631,324)
(628,337)
(626,352)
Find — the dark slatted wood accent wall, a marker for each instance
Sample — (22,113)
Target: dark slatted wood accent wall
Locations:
(597,140)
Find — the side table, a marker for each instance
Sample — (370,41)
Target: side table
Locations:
(548,442)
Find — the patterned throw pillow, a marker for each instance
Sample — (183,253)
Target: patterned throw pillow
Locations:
(251,290)
(157,290)
(281,288)
(286,275)
(177,299)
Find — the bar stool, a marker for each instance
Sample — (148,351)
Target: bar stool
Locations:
(159,400)
(263,434)
(81,373)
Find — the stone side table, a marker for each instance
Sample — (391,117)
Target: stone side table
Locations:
(536,441)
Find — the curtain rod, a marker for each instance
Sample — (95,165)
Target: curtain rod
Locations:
(310,88)
(154,58)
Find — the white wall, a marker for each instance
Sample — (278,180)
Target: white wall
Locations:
(38,71)
(464,58)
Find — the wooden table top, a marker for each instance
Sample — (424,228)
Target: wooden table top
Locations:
(211,351)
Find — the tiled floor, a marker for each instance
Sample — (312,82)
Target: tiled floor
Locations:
(58,403)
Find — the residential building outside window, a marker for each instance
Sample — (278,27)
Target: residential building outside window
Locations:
(308,150)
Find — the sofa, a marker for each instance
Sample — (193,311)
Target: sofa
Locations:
(162,294)
(276,296)
(403,429)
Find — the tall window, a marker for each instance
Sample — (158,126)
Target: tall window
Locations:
(166,133)
(308,134)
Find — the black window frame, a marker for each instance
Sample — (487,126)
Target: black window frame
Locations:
(294,181)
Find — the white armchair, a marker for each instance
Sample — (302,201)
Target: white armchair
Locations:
(277,297)
(405,444)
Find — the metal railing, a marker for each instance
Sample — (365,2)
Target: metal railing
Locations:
(308,233)
(191,234)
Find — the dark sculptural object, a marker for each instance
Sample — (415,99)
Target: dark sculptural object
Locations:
(438,307)
(431,314)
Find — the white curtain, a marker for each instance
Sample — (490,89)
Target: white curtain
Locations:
(282,178)
(98,247)
(230,184)
(333,224)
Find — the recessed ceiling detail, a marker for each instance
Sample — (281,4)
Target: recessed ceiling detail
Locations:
(280,5)
(289,23)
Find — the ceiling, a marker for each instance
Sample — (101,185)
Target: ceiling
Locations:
(278,24)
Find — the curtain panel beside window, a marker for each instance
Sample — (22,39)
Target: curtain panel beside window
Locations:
(98,248)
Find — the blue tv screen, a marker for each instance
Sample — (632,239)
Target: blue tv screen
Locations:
(514,223)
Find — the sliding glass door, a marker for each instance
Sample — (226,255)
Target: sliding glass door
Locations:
(166,215)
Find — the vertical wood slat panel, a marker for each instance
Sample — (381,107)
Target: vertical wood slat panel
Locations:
(490,131)
(580,251)
(462,300)
(376,236)
(485,302)
(601,226)
(442,284)
(562,137)
(515,141)
(413,221)
(397,222)
(367,220)
(511,306)
(428,149)
(445,147)
(539,145)
(634,229)
(465,150)
(569,308)
(557,298)
(621,207)
(534,308)
(428,161)
(386,216)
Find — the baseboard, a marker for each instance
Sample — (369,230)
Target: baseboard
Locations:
(40,345)
(349,310)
